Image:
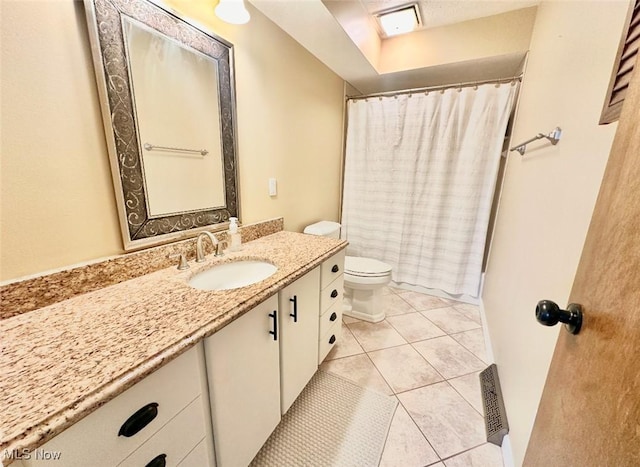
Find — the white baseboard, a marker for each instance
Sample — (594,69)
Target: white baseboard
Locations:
(487,337)
(507,452)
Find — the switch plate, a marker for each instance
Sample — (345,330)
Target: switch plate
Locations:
(273,187)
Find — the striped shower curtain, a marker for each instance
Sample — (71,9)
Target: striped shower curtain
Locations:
(420,173)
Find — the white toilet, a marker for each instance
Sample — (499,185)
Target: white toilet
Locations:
(364,278)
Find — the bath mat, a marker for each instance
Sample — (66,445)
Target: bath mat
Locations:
(334,422)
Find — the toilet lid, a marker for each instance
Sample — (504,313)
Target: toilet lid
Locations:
(365,267)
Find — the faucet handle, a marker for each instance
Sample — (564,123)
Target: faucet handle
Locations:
(219,248)
(183,260)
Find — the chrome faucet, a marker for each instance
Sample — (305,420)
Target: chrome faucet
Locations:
(214,241)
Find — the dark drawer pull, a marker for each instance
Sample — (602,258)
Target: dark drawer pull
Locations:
(334,294)
(335,268)
(294,315)
(274,333)
(332,339)
(333,317)
(158,461)
(139,420)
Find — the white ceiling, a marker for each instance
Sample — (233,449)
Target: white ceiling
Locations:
(343,35)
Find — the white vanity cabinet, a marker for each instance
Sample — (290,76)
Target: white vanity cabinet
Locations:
(331,303)
(164,417)
(243,369)
(298,313)
(258,365)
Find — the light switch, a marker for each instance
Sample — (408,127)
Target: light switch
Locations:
(273,187)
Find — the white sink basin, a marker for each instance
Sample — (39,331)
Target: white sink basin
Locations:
(232,275)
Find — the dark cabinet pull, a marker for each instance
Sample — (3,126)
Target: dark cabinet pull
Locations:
(332,339)
(274,315)
(158,461)
(139,420)
(294,315)
(335,268)
(334,294)
(333,317)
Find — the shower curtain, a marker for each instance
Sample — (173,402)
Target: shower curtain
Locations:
(420,173)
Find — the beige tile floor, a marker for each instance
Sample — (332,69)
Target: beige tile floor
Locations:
(427,353)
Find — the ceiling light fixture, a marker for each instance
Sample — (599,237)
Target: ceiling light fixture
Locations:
(399,20)
(232,11)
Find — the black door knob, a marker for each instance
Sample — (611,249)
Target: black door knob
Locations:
(549,313)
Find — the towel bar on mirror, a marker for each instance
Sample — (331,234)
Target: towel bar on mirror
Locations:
(151,147)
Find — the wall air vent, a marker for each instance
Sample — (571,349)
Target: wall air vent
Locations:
(399,20)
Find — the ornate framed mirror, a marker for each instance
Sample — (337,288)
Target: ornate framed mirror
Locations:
(167,94)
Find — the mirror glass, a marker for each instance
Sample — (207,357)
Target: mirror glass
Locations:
(168,101)
(174,84)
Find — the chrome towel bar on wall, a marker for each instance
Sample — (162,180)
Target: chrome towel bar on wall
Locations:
(553,137)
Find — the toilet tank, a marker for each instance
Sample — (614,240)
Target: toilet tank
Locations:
(324,228)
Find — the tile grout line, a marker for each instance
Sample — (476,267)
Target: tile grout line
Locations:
(462,452)
(386,438)
(420,313)
(419,430)
(483,360)
(443,380)
(399,401)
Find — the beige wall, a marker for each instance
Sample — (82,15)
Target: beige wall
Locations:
(56,194)
(470,40)
(549,194)
(57,201)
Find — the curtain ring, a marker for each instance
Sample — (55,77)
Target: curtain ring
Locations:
(497,85)
(441,91)
(426,93)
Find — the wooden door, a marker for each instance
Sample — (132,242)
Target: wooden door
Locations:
(589,414)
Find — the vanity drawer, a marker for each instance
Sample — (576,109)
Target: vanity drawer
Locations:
(94,440)
(331,269)
(174,440)
(197,457)
(332,294)
(330,317)
(328,341)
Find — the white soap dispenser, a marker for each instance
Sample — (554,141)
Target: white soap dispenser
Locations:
(235,239)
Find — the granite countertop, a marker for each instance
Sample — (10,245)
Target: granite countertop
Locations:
(61,362)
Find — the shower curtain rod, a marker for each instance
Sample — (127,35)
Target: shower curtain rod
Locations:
(437,88)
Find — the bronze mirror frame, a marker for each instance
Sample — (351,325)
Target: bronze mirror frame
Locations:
(139,229)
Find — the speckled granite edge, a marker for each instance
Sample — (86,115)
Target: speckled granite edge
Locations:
(37,292)
(81,353)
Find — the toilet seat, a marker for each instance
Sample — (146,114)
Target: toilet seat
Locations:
(365,267)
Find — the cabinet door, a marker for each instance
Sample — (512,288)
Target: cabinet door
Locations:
(299,304)
(243,370)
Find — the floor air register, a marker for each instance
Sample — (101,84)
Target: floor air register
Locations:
(495,415)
